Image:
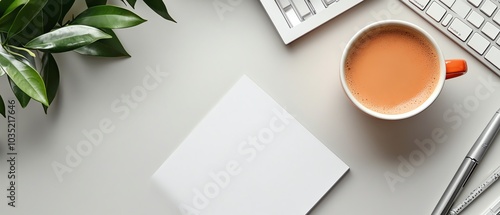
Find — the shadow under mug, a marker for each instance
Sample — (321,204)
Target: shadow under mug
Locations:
(448,69)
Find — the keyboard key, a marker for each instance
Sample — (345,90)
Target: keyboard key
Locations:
(476,3)
(447,20)
(292,18)
(284,3)
(488,8)
(478,43)
(490,30)
(460,29)
(497,18)
(281,15)
(284,6)
(420,3)
(310,6)
(461,8)
(329,2)
(475,19)
(301,8)
(317,5)
(493,56)
(448,3)
(436,11)
(473,24)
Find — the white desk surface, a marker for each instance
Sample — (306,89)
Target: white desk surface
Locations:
(204,55)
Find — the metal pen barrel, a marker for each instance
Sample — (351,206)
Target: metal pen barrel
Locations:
(455,187)
(467,167)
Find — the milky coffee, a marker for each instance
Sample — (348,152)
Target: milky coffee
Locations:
(392,69)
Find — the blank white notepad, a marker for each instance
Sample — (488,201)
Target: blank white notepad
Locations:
(248,156)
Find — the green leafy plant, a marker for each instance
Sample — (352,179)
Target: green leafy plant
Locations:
(32,30)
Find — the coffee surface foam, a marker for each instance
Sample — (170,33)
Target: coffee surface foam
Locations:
(392,69)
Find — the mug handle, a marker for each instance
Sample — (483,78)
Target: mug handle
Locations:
(455,68)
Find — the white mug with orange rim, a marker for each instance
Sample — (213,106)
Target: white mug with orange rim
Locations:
(394,69)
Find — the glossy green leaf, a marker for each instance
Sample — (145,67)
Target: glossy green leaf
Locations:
(4,4)
(92,3)
(43,22)
(2,72)
(27,13)
(50,76)
(24,55)
(107,16)
(15,4)
(24,77)
(2,107)
(22,97)
(65,7)
(159,7)
(67,38)
(7,19)
(3,35)
(50,15)
(105,48)
(25,35)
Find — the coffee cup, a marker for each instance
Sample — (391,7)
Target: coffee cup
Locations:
(394,69)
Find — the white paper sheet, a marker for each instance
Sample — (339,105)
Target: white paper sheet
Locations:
(248,156)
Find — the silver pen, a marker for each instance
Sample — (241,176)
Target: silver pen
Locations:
(470,162)
(492,178)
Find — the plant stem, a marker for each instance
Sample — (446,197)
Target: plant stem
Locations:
(23,49)
(16,54)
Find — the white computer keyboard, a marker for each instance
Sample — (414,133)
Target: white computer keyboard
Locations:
(473,24)
(294,18)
